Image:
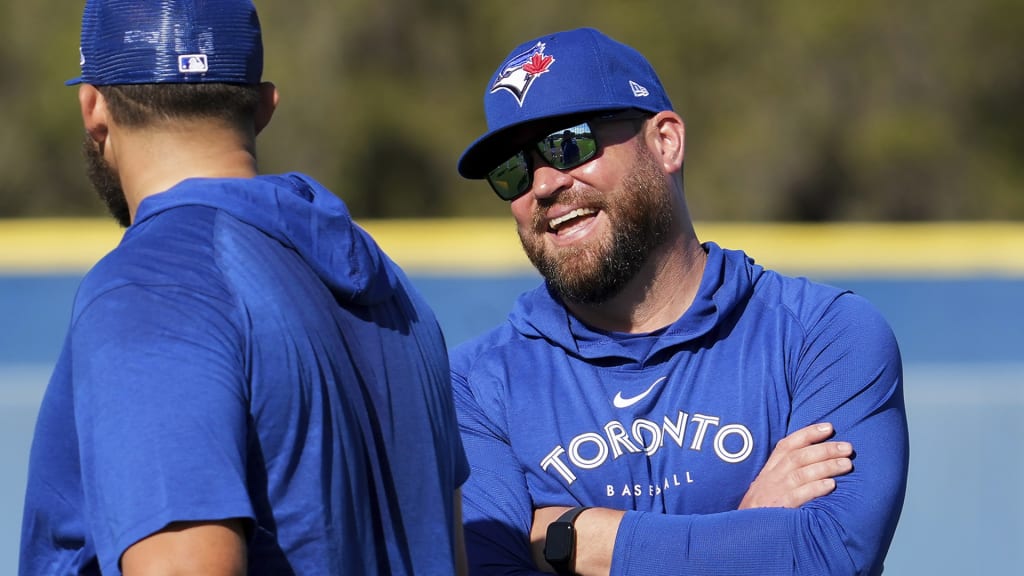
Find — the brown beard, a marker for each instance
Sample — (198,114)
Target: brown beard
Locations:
(106,182)
(641,219)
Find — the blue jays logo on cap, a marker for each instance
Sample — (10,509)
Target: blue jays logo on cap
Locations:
(593,73)
(520,72)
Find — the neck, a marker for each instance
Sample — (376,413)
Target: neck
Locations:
(658,296)
(150,161)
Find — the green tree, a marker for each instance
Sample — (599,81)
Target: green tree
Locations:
(795,110)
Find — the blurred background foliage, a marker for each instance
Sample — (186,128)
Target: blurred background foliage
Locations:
(796,110)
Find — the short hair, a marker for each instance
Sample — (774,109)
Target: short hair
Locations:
(140,105)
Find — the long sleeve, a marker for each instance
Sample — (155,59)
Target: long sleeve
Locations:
(497,510)
(673,426)
(849,373)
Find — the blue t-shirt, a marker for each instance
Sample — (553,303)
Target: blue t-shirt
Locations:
(674,425)
(248,352)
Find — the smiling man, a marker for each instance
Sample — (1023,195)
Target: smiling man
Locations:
(659,405)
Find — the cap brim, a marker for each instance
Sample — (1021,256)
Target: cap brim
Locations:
(73,81)
(487,152)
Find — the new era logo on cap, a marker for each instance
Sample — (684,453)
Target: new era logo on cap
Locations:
(638,90)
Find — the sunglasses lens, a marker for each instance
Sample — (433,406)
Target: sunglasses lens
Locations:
(562,149)
(570,147)
(511,178)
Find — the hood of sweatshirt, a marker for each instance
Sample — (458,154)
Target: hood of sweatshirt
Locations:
(299,213)
(729,278)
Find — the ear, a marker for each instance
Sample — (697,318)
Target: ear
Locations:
(668,140)
(95,115)
(268,103)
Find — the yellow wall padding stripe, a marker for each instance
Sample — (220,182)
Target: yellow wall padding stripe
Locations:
(489,246)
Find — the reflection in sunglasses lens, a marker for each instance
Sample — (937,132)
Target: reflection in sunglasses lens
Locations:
(562,149)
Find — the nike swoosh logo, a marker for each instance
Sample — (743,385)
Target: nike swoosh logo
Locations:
(620,402)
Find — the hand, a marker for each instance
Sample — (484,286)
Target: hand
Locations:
(802,467)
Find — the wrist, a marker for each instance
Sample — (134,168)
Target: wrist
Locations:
(595,540)
(560,542)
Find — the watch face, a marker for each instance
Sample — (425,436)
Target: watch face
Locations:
(560,543)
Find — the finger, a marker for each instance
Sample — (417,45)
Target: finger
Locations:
(821,471)
(802,438)
(802,448)
(809,491)
(819,453)
(813,472)
(823,465)
(812,434)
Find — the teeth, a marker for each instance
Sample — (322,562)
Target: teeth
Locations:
(554,224)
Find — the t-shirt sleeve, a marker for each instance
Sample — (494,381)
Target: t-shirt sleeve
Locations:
(160,410)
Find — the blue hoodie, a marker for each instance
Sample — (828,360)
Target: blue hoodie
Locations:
(674,425)
(248,352)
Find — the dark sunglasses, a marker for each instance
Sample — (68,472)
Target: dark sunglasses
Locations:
(562,149)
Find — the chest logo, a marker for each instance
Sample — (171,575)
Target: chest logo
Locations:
(620,402)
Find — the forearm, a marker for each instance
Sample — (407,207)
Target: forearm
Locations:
(767,541)
(212,548)
(761,542)
(846,532)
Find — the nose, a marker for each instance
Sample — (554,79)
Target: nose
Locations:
(547,180)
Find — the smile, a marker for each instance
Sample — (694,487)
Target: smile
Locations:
(555,224)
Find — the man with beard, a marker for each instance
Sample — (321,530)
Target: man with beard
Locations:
(659,405)
(248,385)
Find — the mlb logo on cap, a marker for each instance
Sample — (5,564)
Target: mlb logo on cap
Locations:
(192,63)
(170,41)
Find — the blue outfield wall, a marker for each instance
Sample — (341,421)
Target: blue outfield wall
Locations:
(953,294)
(949,320)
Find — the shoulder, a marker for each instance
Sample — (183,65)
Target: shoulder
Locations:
(806,300)
(170,257)
(827,315)
(486,349)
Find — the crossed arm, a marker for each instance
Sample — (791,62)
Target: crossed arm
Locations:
(850,375)
(802,467)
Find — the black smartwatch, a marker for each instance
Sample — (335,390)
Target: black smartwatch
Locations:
(560,544)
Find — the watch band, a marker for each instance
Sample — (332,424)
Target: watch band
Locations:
(570,515)
(560,544)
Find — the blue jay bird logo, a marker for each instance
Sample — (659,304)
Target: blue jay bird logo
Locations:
(519,73)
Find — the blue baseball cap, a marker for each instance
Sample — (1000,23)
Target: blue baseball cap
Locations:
(560,74)
(170,41)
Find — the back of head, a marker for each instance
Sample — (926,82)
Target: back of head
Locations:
(560,74)
(160,59)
